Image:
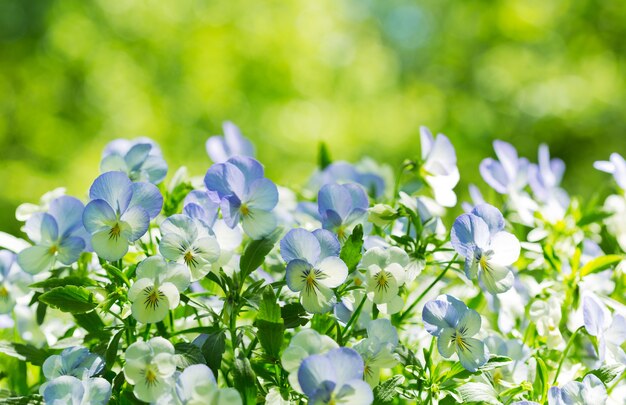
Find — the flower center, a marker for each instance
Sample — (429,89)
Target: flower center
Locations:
(458,340)
(53,249)
(382,280)
(115,231)
(151,374)
(189,259)
(244,209)
(4,293)
(154,296)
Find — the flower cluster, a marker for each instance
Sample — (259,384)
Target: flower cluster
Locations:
(357,288)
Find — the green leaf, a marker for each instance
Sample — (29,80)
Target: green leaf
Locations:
(541,383)
(25,352)
(385,392)
(351,250)
(324,156)
(254,254)
(478,392)
(188,354)
(294,315)
(495,362)
(171,203)
(244,380)
(111,353)
(70,298)
(33,399)
(93,324)
(213,348)
(599,264)
(269,323)
(608,373)
(61,282)
(593,217)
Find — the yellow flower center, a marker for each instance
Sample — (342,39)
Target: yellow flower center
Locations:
(115,231)
(244,210)
(153,297)
(189,259)
(151,374)
(53,250)
(4,293)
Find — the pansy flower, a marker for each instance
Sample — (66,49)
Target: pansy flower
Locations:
(187,241)
(233,143)
(245,195)
(69,390)
(342,207)
(13,281)
(26,210)
(196,385)
(609,330)
(140,159)
(344,172)
(203,206)
(150,367)
(303,344)
(313,267)
(335,377)
(74,361)
(616,165)
(58,235)
(547,316)
(119,213)
(438,167)
(544,179)
(488,250)
(454,324)
(385,273)
(590,391)
(377,349)
(157,289)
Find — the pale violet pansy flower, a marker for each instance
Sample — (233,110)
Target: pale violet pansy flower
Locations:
(616,165)
(303,344)
(26,210)
(119,213)
(335,377)
(157,288)
(344,172)
(377,350)
(150,367)
(141,159)
(590,391)
(58,235)
(13,281)
(233,143)
(610,330)
(313,267)
(488,250)
(187,241)
(69,390)
(454,324)
(196,385)
(245,195)
(342,207)
(74,361)
(514,372)
(385,273)
(438,167)
(544,179)
(203,206)
(546,314)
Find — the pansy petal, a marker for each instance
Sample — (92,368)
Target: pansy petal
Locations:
(469,232)
(97,391)
(108,247)
(497,278)
(98,216)
(328,241)
(262,195)
(148,197)
(145,309)
(347,363)
(318,299)
(491,215)
(216,149)
(297,271)
(257,223)
(138,286)
(472,354)
(300,244)
(137,221)
(113,187)
(251,168)
(230,207)
(70,249)
(494,174)
(225,179)
(506,248)
(36,259)
(469,323)
(593,316)
(313,371)
(64,390)
(335,271)
(178,275)
(336,198)
(446,343)
(68,213)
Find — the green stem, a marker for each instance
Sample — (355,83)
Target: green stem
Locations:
(569,344)
(146,331)
(423,294)
(353,318)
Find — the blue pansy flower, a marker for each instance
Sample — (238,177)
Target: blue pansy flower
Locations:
(245,195)
(196,385)
(13,281)
(335,377)
(344,172)
(119,213)
(508,174)
(545,177)
(74,361)
(616,165)
(377,350)
(438,168)
(222,148)
(140,159)
(203,206)
(58,235)
(342,207)
(610,330)
(313,267)
(480,237)
(590,391)
(454,324)
(68,390)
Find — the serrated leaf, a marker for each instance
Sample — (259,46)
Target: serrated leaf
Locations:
(61,282)
(608,373)
(495,362)
(254,254)
(24,352)
(244,380)
(599,264)
(269,323)
(385,392)
(478,392)
(294,315)
(351,250)
(188,354)
(212,345)
(70,298)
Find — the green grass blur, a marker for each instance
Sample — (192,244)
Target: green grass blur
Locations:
(362,75)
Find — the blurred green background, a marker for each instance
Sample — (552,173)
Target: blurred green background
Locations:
(362,75)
